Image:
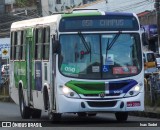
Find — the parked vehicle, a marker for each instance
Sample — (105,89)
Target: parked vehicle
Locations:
(149,62)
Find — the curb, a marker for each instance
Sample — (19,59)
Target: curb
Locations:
(145,114)
(5,99)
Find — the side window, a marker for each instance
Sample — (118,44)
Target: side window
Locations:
(12,46)
(58,1)
(15,45)
(46,43)
(18,45)
(39,42)
(150,57)
(23,48)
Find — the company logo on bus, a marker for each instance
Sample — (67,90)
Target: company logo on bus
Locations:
(102,95)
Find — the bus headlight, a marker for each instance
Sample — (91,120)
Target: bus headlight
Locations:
(134,91)
(69,92)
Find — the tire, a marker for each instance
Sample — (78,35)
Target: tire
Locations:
(54,117)
(121,116)
(92,114)
(46,100)
(25,111)
(82,114)
(36,113)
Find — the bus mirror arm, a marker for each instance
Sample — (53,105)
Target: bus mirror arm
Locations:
(56,47)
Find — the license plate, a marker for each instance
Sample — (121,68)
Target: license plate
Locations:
(133,104)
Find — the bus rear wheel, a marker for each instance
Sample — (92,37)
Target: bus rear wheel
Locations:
(25,111)
(121,116)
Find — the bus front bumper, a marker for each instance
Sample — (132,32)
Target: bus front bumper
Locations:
(66,104)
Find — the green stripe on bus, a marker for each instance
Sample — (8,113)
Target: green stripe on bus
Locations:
(81,87)
(82,14)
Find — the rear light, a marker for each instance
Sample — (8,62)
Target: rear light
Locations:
(133,104)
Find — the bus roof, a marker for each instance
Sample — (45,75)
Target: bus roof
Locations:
(96,12)
(34,22)
(54,18)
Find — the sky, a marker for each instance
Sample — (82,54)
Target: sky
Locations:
(133,6)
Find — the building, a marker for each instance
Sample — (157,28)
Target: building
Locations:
(149,22)
(147,17)
(6,6)
(10,12)
(49,7)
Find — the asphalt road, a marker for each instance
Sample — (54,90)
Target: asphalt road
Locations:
(10,112)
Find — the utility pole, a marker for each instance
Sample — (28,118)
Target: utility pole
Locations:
(157,7)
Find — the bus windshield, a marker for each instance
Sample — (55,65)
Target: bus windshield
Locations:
(123,59)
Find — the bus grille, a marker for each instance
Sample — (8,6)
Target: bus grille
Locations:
(97,95)
(102,104)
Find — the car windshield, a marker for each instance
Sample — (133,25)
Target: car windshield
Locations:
(89,57)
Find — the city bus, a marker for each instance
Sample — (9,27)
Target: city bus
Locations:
(82,62)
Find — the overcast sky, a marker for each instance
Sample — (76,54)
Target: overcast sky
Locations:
(135,6)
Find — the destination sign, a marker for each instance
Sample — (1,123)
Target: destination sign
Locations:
(99,23)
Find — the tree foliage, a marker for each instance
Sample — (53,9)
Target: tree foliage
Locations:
(24,3)
(21,3)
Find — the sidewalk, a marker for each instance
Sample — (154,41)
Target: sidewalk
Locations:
(151,112)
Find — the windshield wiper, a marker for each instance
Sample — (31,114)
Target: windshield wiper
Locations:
(109,45)
(87,47)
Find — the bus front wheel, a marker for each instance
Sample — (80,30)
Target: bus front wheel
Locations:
(25,111)
(82,114)
(121,116)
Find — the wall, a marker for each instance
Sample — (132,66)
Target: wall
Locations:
(148,19)
(58,7)
(45,7)
(9,1)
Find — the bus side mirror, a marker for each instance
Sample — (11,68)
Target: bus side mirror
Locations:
(56,47)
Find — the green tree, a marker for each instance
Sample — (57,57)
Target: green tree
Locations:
(21,3)
(24,3)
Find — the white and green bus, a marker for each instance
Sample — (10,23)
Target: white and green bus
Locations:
(83,62)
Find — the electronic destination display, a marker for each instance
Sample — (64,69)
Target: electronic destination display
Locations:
(98,23)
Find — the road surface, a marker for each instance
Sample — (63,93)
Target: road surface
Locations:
(10,112)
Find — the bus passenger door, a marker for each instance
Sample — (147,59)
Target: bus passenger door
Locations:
(29,44)
(53,71)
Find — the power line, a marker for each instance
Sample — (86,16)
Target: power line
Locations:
(130,6)
(136,6)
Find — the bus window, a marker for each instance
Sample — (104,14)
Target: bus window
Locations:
(23,45)
(18,56)
(38,45)
(46,43)
(12,43)
(15,43)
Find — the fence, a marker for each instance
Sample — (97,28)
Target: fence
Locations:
(152,90)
